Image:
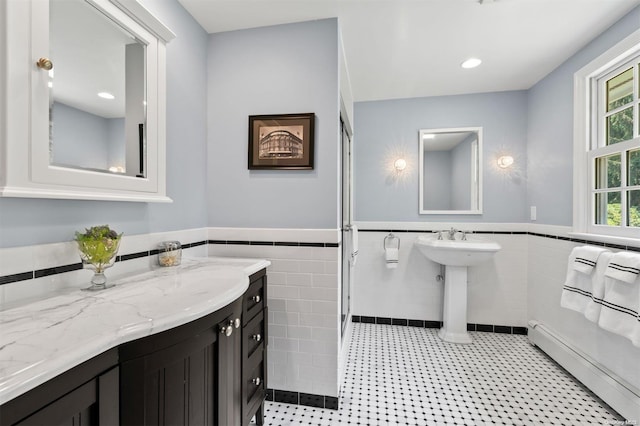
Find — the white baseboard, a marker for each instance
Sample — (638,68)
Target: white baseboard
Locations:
(612,389)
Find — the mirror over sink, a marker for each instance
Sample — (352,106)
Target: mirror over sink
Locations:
(450,171)
(92,123)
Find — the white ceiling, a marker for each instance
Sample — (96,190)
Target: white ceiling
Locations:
(414,48)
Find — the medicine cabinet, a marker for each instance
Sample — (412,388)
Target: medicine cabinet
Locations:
(83,93)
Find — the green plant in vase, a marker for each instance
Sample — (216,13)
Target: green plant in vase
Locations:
(98,247)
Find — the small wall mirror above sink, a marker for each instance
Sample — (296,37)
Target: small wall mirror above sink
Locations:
(451,171)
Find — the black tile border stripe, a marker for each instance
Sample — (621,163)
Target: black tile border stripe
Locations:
(535,234)
(24,276)
(274,243)
(490,328)
(57,270)
(13,278)
(300,398)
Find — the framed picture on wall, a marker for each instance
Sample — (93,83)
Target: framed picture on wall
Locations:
(281,141)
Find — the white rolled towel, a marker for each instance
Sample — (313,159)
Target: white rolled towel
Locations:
(586,258)
(624,266)
(391,255)
(620,308)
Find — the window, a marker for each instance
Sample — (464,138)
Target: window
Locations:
(607,143)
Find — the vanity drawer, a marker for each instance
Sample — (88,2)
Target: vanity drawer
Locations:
(255,384)
(253,334)
(254,299)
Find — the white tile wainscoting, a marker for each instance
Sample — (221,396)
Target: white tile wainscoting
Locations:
(304,302)
(306,354)
(497,290)
(52,265)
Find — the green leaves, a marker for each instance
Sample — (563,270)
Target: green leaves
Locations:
(98,244)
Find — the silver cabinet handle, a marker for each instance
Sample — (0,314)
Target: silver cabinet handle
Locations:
(227,330)
(256,337)
(256,298)
(236,323)
(256,381)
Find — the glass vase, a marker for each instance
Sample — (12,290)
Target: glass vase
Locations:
(99,256)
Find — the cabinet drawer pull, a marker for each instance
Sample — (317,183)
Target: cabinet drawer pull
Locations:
(227,330)
(236,323)
(256,381)
(256,298)
(256,337)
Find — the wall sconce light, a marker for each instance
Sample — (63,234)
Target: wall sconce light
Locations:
(505,161)
(400,164)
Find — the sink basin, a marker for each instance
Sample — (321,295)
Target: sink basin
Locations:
(456,256)
(469,252)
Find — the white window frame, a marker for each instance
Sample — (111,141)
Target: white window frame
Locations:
(585,139)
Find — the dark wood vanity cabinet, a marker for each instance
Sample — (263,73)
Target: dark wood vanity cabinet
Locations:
(210,371)
(188,375)
(85,395)
(254,348)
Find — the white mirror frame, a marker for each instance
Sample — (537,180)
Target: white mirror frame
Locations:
(25,170)
(477,173)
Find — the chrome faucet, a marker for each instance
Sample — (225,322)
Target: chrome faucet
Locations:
(452,234)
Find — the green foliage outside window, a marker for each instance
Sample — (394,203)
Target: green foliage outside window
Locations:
(614,216)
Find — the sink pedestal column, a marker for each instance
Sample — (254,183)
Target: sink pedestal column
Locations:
(454,310)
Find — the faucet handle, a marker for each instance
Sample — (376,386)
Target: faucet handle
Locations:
(439,234)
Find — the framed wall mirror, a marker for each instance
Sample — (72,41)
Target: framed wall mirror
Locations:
(97,99)
(450,171)
(92,123)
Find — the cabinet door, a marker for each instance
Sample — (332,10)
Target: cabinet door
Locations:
(195,381)
(93,403)
(229,379)
(173,386)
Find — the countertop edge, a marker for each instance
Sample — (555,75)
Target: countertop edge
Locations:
(15,385)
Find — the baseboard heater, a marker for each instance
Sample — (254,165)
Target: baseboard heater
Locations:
(611,388)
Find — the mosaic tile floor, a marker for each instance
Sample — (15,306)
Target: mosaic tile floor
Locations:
(408,376)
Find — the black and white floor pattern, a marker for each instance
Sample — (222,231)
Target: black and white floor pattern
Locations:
(408,376)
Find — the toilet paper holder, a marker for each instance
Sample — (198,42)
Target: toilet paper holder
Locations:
(390,240)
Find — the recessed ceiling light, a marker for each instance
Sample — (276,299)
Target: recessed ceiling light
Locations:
(106,95)
(471,63)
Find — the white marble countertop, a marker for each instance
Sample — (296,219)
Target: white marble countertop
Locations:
(43,339)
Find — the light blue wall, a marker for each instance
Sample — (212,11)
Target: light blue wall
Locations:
(36,221)
(550,135)
(115,130)
(80,138)
(461,169)
(387,129)
(273,70)
(437,175)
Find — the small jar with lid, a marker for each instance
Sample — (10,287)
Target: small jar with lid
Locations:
(169,253)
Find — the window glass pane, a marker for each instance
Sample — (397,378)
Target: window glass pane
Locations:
(633,165)
(608,209)
(620,90)
(634,207)
(608,171)
(620,126)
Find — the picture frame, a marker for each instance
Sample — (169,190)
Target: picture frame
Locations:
(281,142)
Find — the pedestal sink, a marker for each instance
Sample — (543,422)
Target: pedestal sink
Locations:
(456,255)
